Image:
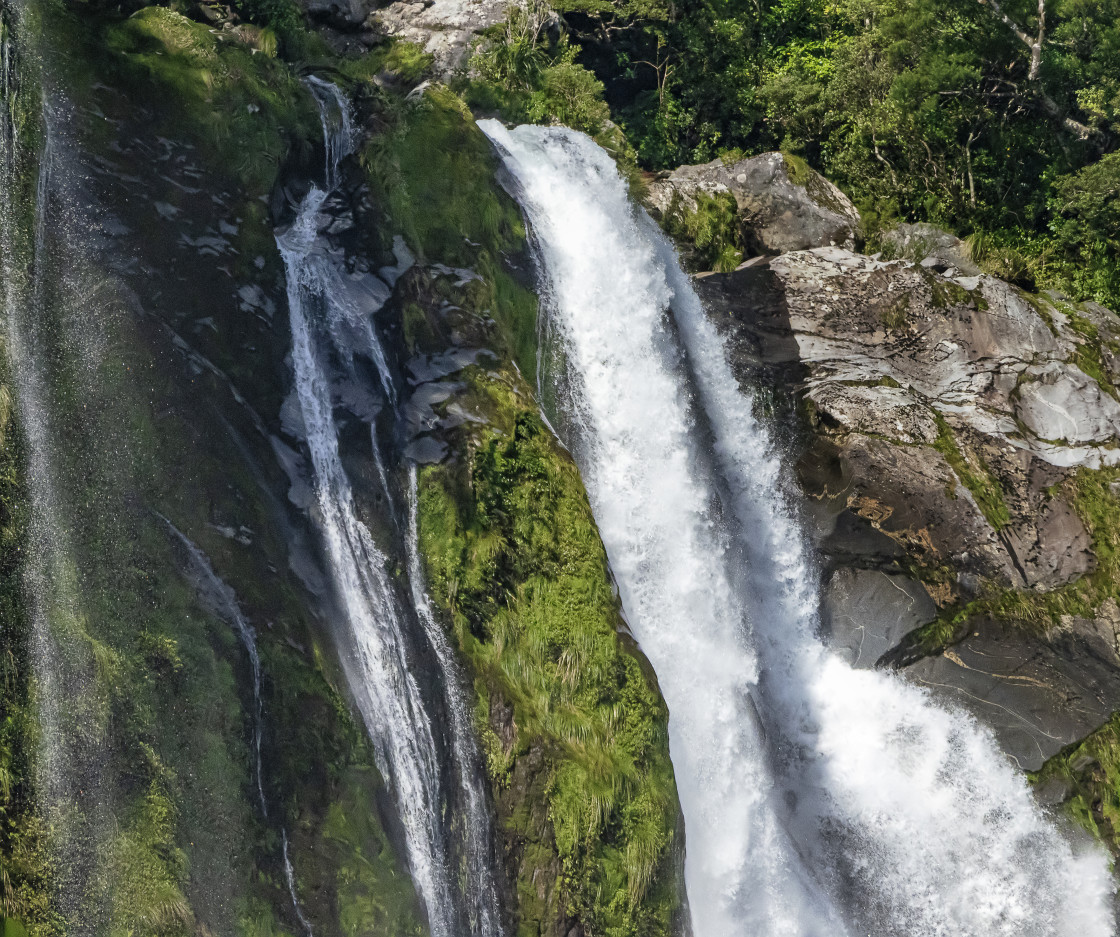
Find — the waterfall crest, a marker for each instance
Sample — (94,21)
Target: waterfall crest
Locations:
(818,799)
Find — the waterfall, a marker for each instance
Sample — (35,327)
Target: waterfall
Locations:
(818,799)
(330,313)
(68,765)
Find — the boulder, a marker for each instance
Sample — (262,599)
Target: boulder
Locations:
(783,204)
(931,247)
(444,29)
(345,15)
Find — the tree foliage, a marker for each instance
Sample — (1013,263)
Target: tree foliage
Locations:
(980,115)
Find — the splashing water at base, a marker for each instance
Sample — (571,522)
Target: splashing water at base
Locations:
(818,799)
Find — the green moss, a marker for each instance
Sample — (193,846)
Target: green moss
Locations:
(160,703)
(712,227)
(1090,494)
(797,169)
(1088,355)
(802,174)
(896,315)
(1089,771)
(434,172)
(25,864)
(515,563)
(374,894)
(406,61)
(146,870)
(248,107)
(974,475)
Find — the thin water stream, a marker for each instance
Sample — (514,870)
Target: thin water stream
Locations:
(329,329)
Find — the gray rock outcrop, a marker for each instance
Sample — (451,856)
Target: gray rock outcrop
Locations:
(931,247)
(948,416)
(444,29)
(783,204)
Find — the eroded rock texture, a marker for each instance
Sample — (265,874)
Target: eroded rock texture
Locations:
(950,416)
(783,204)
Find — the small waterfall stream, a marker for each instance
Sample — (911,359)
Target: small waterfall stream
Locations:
(220,600)
(329,328)
(69,775)
(818,799)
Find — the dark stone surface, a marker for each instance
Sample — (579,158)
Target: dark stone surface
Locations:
(1037,694)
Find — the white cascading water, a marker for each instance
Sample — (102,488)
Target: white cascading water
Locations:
(329,326)
(818,799)
(481,891)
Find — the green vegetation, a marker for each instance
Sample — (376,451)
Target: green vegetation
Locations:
(923,110)
(433,170)
(526,76)
(712,228)
(974,475)
(229,90)
(516,563)
(580,767)
(1089,773)
(166,836)
(1091,495)
(25,867)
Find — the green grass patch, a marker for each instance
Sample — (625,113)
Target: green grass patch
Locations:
(434,172)
(516,565)
(1090,772)
(974,475)
(248,107)
(712,227)
(1089,493)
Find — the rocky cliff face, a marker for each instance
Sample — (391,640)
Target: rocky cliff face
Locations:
(177,149)
(959,439)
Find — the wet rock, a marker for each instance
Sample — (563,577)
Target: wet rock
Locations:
(911,494)
(783,205)
(1038,694)
(866,612)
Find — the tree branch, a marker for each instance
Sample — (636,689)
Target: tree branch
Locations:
(1048,104)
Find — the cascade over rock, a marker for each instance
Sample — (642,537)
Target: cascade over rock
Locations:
(381,505)
(844,765)
(947,415)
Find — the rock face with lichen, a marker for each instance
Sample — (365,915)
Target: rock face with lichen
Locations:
(783,204)
(952,421)
(444,29)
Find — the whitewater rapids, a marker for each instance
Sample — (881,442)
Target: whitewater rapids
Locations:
(818,799)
